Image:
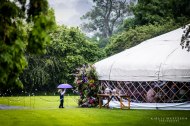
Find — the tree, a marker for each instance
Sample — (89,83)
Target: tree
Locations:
(106,15)
(68,50)
(160,11)
(15,40)
(136,35)
(151,18)
(181,9)
(152,11)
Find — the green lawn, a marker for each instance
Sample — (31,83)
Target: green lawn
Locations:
(44,111)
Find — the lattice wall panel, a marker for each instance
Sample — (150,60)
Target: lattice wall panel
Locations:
(151,92)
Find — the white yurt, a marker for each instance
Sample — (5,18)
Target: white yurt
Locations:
(155,73)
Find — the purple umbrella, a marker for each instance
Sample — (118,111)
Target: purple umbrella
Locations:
(64,86)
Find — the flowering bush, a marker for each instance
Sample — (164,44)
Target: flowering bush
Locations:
(87,86)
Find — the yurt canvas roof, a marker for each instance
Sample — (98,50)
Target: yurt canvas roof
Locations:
(157,59)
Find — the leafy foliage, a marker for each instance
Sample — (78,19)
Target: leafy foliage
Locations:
(68,50)
(160,11)
(152,11)
(14,39)
(151,18)
(135,36)
(181,9)
(86,82)
(42,24)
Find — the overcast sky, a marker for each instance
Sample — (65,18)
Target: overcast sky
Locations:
(68,12)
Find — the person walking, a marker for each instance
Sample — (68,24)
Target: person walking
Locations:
(62,92)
